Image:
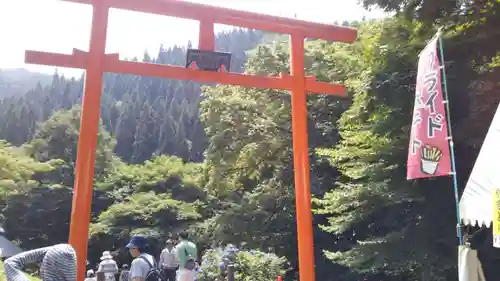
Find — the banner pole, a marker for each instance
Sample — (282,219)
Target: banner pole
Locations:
(450,138)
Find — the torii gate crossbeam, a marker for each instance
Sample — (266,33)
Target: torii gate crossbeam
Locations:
(96,62)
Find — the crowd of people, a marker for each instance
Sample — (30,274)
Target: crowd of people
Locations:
(177,262)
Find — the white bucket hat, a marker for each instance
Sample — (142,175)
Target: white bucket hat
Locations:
(90,272)
(106,255)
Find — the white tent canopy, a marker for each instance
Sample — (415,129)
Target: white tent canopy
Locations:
(476,204)
(7,248)
(469,266)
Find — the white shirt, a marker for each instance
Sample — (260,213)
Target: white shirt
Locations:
(168,258)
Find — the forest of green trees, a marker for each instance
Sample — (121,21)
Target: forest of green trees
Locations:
(217,160)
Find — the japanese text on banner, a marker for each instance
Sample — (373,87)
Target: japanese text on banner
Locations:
(429,152)
(496,218)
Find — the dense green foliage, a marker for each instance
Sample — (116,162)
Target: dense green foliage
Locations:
(217,160)
(248,265)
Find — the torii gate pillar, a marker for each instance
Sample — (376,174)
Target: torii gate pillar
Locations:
(96,62)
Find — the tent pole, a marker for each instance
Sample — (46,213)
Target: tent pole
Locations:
(450,138)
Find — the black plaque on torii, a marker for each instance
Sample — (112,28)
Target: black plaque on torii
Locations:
(208,60)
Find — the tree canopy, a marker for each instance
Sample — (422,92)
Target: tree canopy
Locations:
(217,160)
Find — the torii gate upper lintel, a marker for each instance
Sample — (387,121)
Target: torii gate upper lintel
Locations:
(96,62)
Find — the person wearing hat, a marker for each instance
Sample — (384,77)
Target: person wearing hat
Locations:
(90,275)
(124,274)
(169,262)
(58,263)
(143,262)
(108,266)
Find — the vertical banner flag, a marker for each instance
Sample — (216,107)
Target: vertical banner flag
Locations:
(496,218)
(429,152)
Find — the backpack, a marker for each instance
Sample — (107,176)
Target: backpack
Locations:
(154,274)
(190,262)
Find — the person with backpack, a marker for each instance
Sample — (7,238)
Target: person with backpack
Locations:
(144,266)
(187,255)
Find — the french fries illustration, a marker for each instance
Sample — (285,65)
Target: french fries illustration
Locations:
(431,153)
(430,157)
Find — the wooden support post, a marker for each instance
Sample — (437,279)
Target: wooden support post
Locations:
(87,142)
(301,160)
(206,36)
(230,272)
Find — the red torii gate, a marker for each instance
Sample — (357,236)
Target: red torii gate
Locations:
(96,62)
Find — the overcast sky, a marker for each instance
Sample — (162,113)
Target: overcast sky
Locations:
(59,26)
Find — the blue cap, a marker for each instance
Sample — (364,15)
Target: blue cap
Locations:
(137,242)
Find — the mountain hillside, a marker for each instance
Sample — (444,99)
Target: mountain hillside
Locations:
(17,81)
(146,115)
